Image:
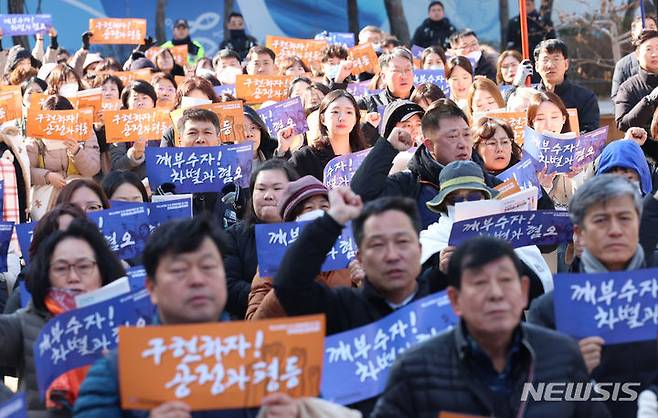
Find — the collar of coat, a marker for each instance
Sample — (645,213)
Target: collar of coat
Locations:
(464,348)
(649,78)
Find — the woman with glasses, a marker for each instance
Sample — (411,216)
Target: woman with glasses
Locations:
(85,194)
(70,262)
(463,181)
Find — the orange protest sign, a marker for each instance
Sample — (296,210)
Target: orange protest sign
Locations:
(179,79)
(127,76)
(109,104)
(37,99)
(516,120)
(309,50)
(10,106)
(260,88)
(60,124)
(220,365)
(117,31)
(364,59)
(88,98)
(573,120)
(231,120)
(507,188)
(132,125)
(179,52)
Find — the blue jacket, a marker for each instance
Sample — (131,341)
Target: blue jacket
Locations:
(626,154)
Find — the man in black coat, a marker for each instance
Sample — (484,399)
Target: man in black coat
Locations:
(637,97)
(489,363)
(237,40)
(466,43)
(552,63)
(540,27)
(435,30)
(629,65)
(619,233)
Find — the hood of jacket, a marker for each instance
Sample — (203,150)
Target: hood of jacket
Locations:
(425,166)
(626,154)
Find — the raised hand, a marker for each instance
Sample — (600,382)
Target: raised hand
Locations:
(344,204)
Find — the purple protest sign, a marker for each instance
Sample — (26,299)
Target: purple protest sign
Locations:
(340,170)
(283,114)
(437,77)
(417,51)
(24,24)
(543,227)
(345,39)
(225,88)
(563,155)
(525,174)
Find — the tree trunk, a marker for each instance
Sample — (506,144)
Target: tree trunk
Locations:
(503,5)
(160,33)
(228,9)
(18,7)
(546,8)
(397,20)
(353,18)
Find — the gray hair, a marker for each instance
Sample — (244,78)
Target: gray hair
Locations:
(600,189)
(397,52)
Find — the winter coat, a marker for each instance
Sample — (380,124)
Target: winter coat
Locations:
(486,66)
(625,68)
(240,264)
(539,28)
(580,98)
(12,148)
(432,32)
(311,161)
(122,158)
(44,159)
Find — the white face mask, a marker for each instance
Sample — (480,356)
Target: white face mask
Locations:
(331,72)
(68,89)
(475,55)
(310,216)
(436,67)
(187,101)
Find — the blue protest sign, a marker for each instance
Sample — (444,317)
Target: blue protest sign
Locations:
(272,241)
(542,227)
(437,77)
(24,24)
(618,307)
(15,407)
(200,169)
(284,114)
(225,88)
(340,170)
(357,362)
(136,278)
(563,155)
(167,210)
(125,228)
(525,174)
(6,231)
(24,233)
(345,39)
(81,336)
(417,51)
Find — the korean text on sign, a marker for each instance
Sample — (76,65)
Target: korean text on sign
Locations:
(364,59)
(340,170)
(309,50)
(260,88)
(436,77)
(22,24)
(346,39)
(221,365)
(272,241)
(516,120)
(200,169)
(284,114)
(10,106)
(125,229)
(60,124)
(542,227)
(619,307)
(127,76)
(117,31)
(135,124)
(81,336)
(564,155)
(360,89)
(358,361)
(525,174)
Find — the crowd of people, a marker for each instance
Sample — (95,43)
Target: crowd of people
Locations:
(429,150)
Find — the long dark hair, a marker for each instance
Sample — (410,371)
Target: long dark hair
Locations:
(38,273)
(269,165)
(49,223)
(356,140)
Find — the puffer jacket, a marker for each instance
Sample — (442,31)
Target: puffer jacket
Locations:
(263,303)
(18,332)
(373,101)
(437,375)
(240,263)
(87,161)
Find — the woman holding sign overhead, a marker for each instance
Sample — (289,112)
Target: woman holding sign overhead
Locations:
(73,261)
(339,135)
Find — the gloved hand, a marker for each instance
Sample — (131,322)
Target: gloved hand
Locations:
(653,96)
(148,43)
(522,73)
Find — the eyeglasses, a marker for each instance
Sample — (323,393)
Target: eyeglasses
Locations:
(504,143)
(471,197)
(554,59)
(83,268)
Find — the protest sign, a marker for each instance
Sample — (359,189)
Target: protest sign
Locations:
(60,124)
(167,210)
(284,114)
(260,88)
(525,200)
(38,99)
(81,336)
(91,98)
(357,362)
(345,39)
(24,233)
(272,241)
(10,106)
(309,50)
(231,120)
(525,174)
(131,125)
(573,120)
(6,232)
(110,104)
(619,307)
(224,88)
(364,59)
(179,52)
(200,169)
(220,365)
(563,155)
(436,77)
(127,76)
(515,120)
(25,24)
(125,229)
(136,278)
(14,407)
(358,89)
(543,227)
(507,188)
(117,31)
(340,170)
(417,51)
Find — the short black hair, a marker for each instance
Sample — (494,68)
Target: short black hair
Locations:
(114,179)
(384,204)
(139,86)
(234,14)
(434,3)
(477,252)
(181,236)
(275,164)
(38,272)
(551,46)
(455,37)
(197,114)
(57,102)
(645,35)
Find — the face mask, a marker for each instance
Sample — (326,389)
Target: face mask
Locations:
(236,33)
(436,67)
(68,89)
(310,216)
(331,72)
(638,186)
(475,55)
(187,101)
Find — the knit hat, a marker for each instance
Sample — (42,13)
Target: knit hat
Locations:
(16,54)
(399,111)
(297,192)
(460,175)
(141,63)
